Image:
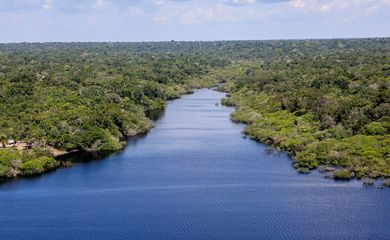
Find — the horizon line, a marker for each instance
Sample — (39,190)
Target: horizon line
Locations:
(189,41)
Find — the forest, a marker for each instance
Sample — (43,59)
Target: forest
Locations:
(326,102)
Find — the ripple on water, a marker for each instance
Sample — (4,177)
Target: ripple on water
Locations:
(192,177)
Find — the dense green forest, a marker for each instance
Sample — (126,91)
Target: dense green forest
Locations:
(86,96)
(326,102)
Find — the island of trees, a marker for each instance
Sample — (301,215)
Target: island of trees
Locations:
(326,102)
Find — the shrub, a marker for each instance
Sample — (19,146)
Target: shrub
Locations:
(38,165)
(342,174)
(375,128)
(228,102)
(303,170)
(4,171)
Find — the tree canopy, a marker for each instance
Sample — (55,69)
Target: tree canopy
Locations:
(327,102)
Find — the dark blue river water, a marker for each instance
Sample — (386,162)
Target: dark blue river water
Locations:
(192,177)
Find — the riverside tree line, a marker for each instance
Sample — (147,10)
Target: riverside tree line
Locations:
(326,102)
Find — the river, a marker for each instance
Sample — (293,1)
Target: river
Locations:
(194,176)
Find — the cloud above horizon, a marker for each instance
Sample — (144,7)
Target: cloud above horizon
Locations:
(157,20)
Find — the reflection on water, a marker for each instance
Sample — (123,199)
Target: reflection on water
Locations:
(193,176)
(155,115)
(84,156)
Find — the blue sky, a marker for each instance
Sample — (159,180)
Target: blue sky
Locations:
(160,20)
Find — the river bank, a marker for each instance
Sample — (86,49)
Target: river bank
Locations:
(25,159)
(193,176)
(339,157)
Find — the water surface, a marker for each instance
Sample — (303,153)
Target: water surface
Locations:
(192,177)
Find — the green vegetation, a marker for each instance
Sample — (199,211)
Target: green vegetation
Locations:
(38,165)
(342,174)
(29,162)
(88,96)
(326,102)
(303,170)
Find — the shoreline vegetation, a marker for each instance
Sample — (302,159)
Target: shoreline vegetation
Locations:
(325,102)
(329,109)
(307,145)
(65,97)
(25,159)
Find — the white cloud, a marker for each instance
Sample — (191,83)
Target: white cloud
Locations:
(298,3)
(325,8)
(158,2)
(240,2)
(194,16)
(193,19)
(100,3)
(357,6)
(47,5)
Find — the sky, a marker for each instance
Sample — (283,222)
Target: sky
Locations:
(190,20)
